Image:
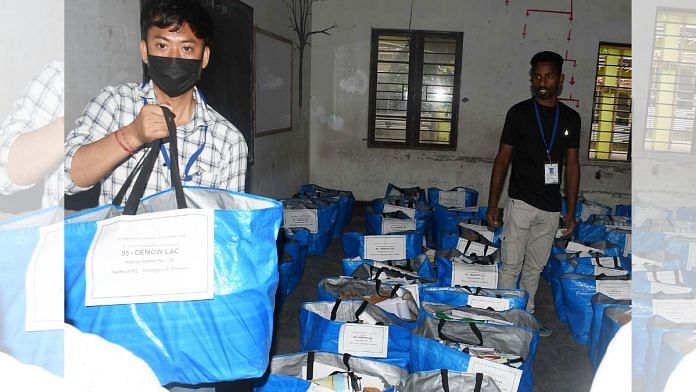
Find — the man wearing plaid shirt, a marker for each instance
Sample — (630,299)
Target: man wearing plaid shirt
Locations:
(31,138)
(116,127)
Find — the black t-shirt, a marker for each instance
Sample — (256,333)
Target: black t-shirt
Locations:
(529,154)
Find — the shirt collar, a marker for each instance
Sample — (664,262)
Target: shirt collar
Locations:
(200,116)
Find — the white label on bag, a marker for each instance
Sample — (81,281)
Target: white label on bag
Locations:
(155,257)
(410,212)
(452,199)
(481,302)
(385,247)
(44,287)
(364,340)
(691,262)
(476,248)
(608,271)
(506,378)
(306,218)
(393,225)
(627,245)
(481,230)
(616,289)
(474,275)
(321,370)
(676,310)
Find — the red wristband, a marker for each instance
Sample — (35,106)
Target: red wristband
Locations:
(123,144)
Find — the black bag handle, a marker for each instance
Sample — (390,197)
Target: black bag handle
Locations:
(138,191)
(118,199)
(310,366)
(394,290)
(445,379)
(479,382)
(473,327)
(334,310)
(361,309)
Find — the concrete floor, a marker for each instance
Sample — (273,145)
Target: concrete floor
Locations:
(561,365)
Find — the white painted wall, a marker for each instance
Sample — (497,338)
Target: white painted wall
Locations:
(102,38)
(31,36)
(495,76)
(281,160)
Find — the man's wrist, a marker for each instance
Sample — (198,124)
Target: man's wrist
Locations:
(128,135)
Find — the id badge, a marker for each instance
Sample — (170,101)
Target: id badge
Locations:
(551,173)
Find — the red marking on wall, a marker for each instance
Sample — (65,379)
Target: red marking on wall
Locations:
(570,99)
(566,58)
(569,13)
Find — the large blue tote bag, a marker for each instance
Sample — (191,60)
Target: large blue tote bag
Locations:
(227,337)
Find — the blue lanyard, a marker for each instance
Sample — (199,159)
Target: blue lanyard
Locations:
(541,128)
(192,159)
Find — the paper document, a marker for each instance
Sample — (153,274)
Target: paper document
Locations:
(385,247)
(155,257)
(305,218)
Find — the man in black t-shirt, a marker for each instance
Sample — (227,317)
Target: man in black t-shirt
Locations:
(539,135)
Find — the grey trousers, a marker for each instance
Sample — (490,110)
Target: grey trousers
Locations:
(528,234)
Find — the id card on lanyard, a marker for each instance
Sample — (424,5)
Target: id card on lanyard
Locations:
(551,172)
(192,159)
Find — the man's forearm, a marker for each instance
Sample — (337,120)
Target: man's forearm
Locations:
(572,186)
(94,161)
(497,180)
(36,154)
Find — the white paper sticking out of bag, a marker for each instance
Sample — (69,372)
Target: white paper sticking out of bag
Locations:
(397,306)
(474,275)
(506,378)
(393,225)
(302,218)
(410,212)
(608,271)
(481,230)
(156,257)
(321,370)
(468,247)
(364,340)
(44,284)
(385,247)
(574,247)
(481,302)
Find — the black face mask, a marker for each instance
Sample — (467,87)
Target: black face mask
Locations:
(172,75)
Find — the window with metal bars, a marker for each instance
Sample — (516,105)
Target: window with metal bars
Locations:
(671,115)
(610,138)
(414,89)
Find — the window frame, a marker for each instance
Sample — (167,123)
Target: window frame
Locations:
(415,88)
(653,153)
(629,155)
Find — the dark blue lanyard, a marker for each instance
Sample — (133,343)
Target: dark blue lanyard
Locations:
(194,157)
(541,128)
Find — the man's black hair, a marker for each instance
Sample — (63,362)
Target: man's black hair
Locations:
(164,13)
(548,57)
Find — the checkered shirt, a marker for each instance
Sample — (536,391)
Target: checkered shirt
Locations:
(42,102)
(221,164)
